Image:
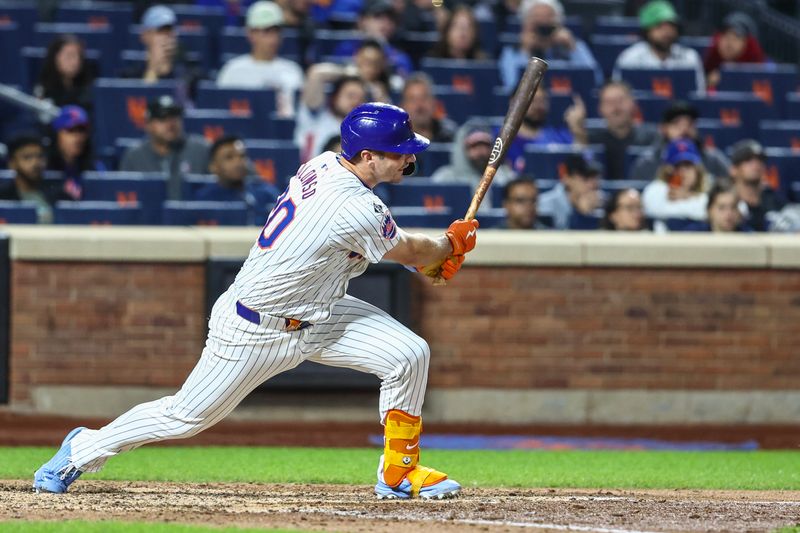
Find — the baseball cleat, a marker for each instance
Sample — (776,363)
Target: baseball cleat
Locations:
(444,489)
(56,475)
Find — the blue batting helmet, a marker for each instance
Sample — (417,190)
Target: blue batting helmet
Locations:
(382,127)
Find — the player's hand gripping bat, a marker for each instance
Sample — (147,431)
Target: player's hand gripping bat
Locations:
(520,102)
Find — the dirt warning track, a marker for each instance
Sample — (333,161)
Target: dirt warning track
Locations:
(353,508)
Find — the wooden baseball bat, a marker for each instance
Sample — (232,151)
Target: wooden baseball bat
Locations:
(520,102)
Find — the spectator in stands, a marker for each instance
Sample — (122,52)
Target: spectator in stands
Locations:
(70,149)
(660,48)
(536,131)
(418,100)
(166,149)
(735,42)
(544,35)
(27,158)
(723,211)
(66,77)
(458,38)
(758,201)
(470,153)
(624,212)
(262,68)
(228,162)
(318,120)
(164,58)
(576,201)
(679,190)
(618,108)
(420,15)
(519,200)
(378,20)
(679,121)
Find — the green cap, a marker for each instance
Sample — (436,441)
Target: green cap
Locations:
(656,12)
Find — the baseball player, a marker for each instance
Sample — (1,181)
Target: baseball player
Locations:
(288,304)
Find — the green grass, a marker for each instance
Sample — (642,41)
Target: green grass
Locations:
(760,470)
(80,526)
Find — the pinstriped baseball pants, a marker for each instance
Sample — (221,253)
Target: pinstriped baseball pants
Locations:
(240,355)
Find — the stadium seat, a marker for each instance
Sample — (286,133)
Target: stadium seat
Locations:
(669,83)
(204,213)
(791,108)
(562,78)
(607,48)
(548,161)
(326,41)
(121,106)
(492,217)
(12,72)
(421,192)
(678,224)
(558,105)
(783,169)
(274,161)
(215,123)
(700,43)
(99,14)
(628,26)
(612,186)
(472,77)
(487,36)
(417,44)
(258,103)
(146,190)
(194,182)
(716,133)
(420,217)
(17,212)
(100,38)
(436,156)
(97,213)
(768,82)
(780,133)
(22,16)
(456,105)
(734,109)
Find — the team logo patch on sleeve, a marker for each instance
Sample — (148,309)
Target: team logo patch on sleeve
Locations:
(388,228)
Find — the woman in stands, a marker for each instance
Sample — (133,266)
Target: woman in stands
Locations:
(723,211)
(624,212)
(735,42)
(70,149)
(677,196)
(66,77)
(458,38)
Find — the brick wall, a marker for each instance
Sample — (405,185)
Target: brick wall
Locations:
(596,328)
(104,324)
(496,327)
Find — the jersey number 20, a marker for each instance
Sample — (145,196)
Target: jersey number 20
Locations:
(278,220)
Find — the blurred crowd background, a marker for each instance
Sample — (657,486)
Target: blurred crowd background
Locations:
(654,115)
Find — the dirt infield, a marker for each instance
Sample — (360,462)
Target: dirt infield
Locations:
(353,508)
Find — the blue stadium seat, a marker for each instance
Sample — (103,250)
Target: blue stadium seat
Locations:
(326,41)
(714,132)
(99,14)
(780,133)
(559,102)
(100,38)
(233,42)
(418,43)
(651,106)
(769,82)
(791,108)
(214,123)
(612,186)
(274,161)
(121,106)
(548,161)
(421,192)
(473,77)
(493,217)
(783,169)
(146,190)
(457,105)
(669,83)
(204,213)
(194,182)
(564,79)
(419,217)
(260,103)
(607,48)
(678,224)
(436,156)
(17,212)
(795,192)
(734,109)
(628,26)
(12,72)
(487,36)
(700,43)
(22,15)
(97,213)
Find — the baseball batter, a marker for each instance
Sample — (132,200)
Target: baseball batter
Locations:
(288,304)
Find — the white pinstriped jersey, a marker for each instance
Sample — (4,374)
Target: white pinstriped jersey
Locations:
(325,229)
